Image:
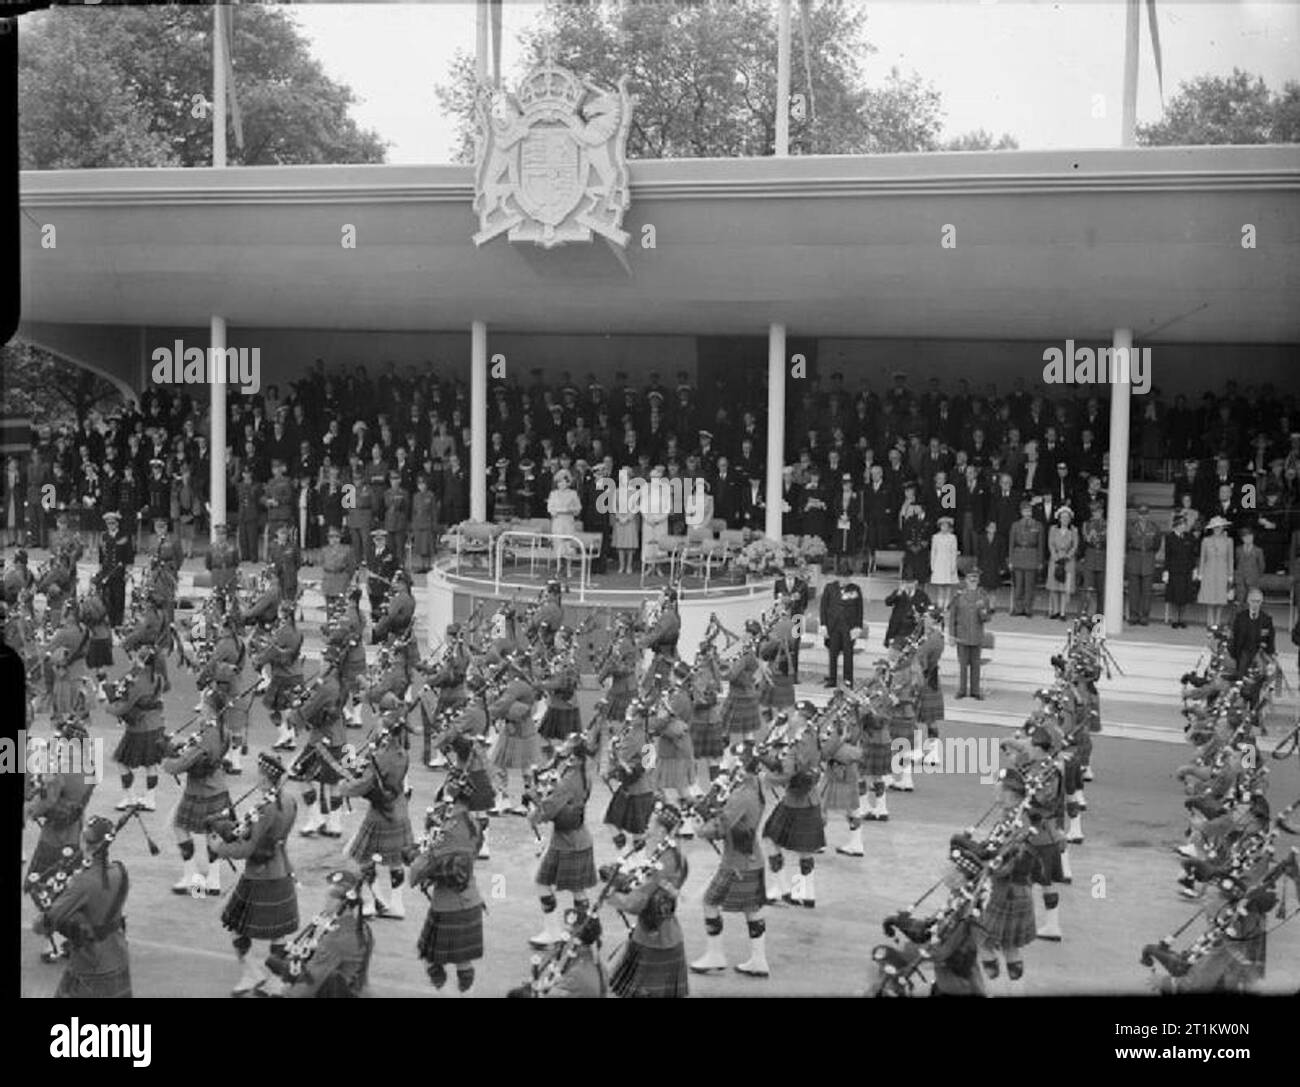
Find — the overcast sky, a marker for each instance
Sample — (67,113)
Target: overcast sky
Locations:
(1030,68)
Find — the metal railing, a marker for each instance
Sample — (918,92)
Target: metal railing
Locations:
(584,556)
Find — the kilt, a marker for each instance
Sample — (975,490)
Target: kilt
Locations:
(929,706)
(709,737)
(391,839)
(324,771)
(277,694)
(650,971)
(454,936)
(736,892)
(878,757)
(841,793)
(781,696)
(1050,857)
(1008,919)
(903,727)
(630,813)
(569,870)
(801,830)
(676,773)
(99,653)
(111,985)
(516,752)
(192,811)
(559,721)
(262,909)
(137,749)
(740,714)
(482,796)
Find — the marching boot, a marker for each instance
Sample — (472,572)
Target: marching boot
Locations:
(1087,773)
(212,881)
(808,896)
(253,975)
(483,853)
(714,957)
(313,822)
(1067,874)
(1050,929)
(284,738)
(190,875)
(149,802)
(904,780)
(367,900)
(930,753)
(777,887)
(1080,800)
(551,933)
(234,761)
(881,813)
(381,899)
(1075,832)
(333,827)
(853,847)
(756,965)
(394,908)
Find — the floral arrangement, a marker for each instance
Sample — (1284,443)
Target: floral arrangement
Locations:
(762,556)
(807,548)
(478,530)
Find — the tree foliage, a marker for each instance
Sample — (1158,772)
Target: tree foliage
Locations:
(102,87)
(704,73)
(49,390)
(1236,109)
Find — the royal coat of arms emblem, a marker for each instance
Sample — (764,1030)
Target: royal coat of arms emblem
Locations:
(551,161)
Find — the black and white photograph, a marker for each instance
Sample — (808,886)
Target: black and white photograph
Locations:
(658,498)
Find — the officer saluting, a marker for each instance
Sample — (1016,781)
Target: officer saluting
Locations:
(794,587)
(841,615)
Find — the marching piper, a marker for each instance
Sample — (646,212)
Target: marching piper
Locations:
(620,668)
(654,958)
(446,682)
(60,802)
(738,885)
(386,830)
(1048,839)
(929,701)
(740,710)
(264,904)
(877,761)
(562,717)
(399,613)
(569,862)
(670,728)
(151,630)
(201,759)
(517,746)
(453,928)
(548,618)
(841,752)
(708,733)
(66,665)
(1006,923)
(284,656)
(661,640)
(583,977)
(94,616)
(137,700)
(348,633)
(631,782)
(778,650)
(905,688)
(320,718)
(222,561)
(797,823)
(465,739)
(225,672)
(269,603)
(339,967)
(89,914)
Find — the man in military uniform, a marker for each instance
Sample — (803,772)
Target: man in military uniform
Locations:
(284,657)
(248,505)
(793,586)
(319,717)
(340,965)
(1026,559)
(283,554)
(549,617)
(151,630)
(382,566)
(116,553)
(338,564)
(1093,562)
(1141,543)
(222,561)
(841,616)
(661,639)
(279,500)
(968,611)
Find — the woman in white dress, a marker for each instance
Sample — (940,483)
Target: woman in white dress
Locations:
(1215,570)
(943,560)
(1062,550)
(657,504)
(564,505)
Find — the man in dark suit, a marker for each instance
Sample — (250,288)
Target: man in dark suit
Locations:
(1004,506)
(1252,630)
(907,600)
(841,618)
(727,500)
(879,511)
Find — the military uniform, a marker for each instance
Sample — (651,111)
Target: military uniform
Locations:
(60,805)
(142,745)
(89,914)
(339,566)
(1141,543)
(796,823)
(286,559)
(633,797)
(264,904)
(283,654)
(653,963)
(1025,558)
(225,670)
(320,718)
(116,553)
(453,927)
(1093,564)
(222,560)
(247,517)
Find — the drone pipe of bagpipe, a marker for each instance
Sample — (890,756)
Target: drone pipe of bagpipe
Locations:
(1290,744)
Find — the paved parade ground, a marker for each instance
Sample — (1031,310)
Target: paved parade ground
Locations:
(1122,897)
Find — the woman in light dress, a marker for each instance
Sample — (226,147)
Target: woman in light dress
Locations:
(943,560)
(564,505)
(1215,570)
(657,505)
(1062,546)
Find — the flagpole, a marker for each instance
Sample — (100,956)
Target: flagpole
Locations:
(218,89)
(783,78)
(1132,27)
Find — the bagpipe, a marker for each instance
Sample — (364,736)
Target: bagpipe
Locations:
(44,888)
(300,948)
(119,688)
(437,816)
(1231,922)
(1289,744)
(231,828)
(636,866)
(541,781)
(706,807)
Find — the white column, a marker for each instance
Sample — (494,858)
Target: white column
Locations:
(217,422)
(481,40)
(783,78)
(775,427)
(1128,108)
(218,88)
(1121,390)
(478,422)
